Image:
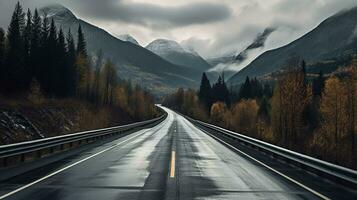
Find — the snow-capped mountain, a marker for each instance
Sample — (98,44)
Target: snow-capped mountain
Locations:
(162,46)
(128,38)
(177,54)
(59,13)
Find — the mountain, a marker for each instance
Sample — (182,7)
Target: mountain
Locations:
(128,38)
(176,54)
(132,61)
(333,38)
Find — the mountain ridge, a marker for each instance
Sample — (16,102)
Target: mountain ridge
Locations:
(333,37)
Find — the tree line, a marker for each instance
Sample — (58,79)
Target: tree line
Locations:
(313,114)
(39,60)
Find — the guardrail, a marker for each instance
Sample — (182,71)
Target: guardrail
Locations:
(338,174)
(19,152)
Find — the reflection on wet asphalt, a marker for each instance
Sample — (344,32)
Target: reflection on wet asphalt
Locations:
(140,169)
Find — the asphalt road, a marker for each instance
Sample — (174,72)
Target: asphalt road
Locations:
(173,160)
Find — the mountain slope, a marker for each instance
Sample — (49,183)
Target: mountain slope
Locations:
(176,54)
(334,37)
(133,62)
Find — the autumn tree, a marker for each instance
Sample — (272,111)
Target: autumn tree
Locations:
(218,112)
(244,117)
(290,99)
(351,90)
(334,111)
(263,119)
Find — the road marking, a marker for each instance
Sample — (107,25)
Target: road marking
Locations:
(67,167)
(270,168)
(172,170)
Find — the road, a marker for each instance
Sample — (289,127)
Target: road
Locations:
(173,160)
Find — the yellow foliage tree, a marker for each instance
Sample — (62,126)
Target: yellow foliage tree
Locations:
(218,112)
(290,99)
(244,117)
(334,111)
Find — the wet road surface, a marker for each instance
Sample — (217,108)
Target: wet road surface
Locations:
(173,160)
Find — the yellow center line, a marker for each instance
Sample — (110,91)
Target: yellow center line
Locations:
(172,170)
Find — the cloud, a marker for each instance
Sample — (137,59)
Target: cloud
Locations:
(152,15)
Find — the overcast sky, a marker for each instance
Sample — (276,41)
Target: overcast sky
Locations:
(211,27)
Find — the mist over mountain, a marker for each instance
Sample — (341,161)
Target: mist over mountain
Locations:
(335,37)
(258,42)
(231,63)
(132,61)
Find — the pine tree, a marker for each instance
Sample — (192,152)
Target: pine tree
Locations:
(81,43)
(256,89)
(35,53)
(27,35)
(51,70)
(245,90)
(204,93)
(220,91)
(71,59)
(303,71)
(2,52)
(267,91)
(318,85)
(43,55)
(15,73)
(62,84)
(45,29)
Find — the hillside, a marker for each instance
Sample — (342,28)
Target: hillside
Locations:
(333,38)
